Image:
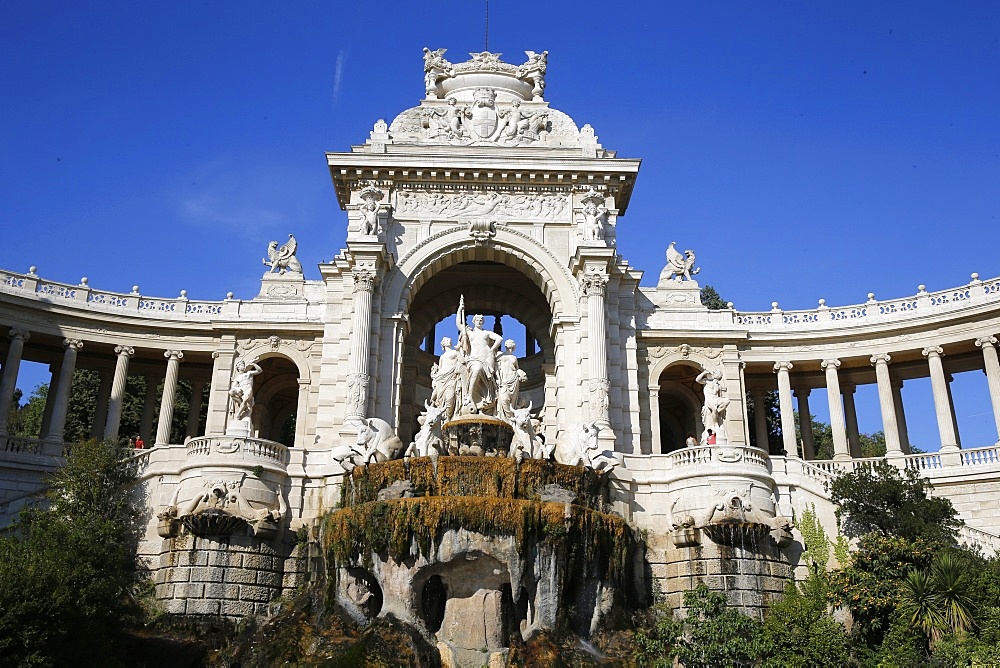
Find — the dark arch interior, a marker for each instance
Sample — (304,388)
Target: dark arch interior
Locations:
(678,417)
(276,395)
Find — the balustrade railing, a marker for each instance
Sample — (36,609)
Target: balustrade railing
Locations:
(239,448)
(873,310)
(923,461)
(27,446)
(988,542)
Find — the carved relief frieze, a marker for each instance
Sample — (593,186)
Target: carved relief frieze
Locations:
(491,204)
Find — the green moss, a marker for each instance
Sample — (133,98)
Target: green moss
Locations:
(475,476)
(592,540)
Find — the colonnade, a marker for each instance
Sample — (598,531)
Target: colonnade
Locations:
(111,393)
(843,415)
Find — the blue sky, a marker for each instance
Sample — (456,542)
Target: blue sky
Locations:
(803,151)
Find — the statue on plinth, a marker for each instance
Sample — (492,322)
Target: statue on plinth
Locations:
(713,413)
(595,216)
(679,266)
(282,258)
(241,390)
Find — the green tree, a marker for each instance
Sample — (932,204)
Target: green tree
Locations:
(28,420)
(799,631)
(881,500)
(68,573)
(871,584)
(716,635)
(712,299)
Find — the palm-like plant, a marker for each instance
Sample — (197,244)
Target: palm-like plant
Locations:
(952,588)
(921,604)
(937,601)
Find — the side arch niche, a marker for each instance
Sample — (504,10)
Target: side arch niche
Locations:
(276,396)
(680,404)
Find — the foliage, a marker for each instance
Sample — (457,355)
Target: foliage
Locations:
(657,637)
(879,499)
(937,600)
(799,631)
(772,417)
(870,585)
(711,299)
(68,574)
(26,420)
(817,552)
(716,635)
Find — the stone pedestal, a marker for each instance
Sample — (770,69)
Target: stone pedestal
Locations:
(282,286)
(679,294)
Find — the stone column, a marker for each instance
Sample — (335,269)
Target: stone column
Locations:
(992,364)
(851,419)
(841,449)
(805,423)
(365,280)
(194,410)
(50,398)
(893,448)
(785,407)
(759,418)
(218,397)
(11,366)
(101,411)
(942,406)
(655,446)
(148,409)
(593,285)
(174,358)
(114,420)
(897,402)
(301,410)
(61,402)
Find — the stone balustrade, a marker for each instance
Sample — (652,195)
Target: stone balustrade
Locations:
(874,311)
(244,451)
(134,304)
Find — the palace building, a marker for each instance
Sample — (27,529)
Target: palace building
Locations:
(484,200)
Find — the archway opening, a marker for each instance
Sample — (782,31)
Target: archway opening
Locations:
(512,305)
(276,395)
(680,403)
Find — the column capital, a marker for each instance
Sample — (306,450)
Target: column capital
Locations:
(173,354)
(832,362)
(880,358)
(126,351)
(801,392)
(22,334)
(365,279)
(932,351)
(75,344)
(981,342)
(593,284)
(783,366)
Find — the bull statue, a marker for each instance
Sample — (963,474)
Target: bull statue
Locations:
(429,440)
(527,442)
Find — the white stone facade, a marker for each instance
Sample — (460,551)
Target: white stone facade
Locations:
(483,190)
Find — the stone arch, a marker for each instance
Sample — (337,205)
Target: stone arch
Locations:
(679,403)
(285,351)
(510,247)
(535,289)
(276,395)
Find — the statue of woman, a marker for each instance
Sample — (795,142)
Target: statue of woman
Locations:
(509,378)
(713,413)
(480,347)
(449,378)
(241,391)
